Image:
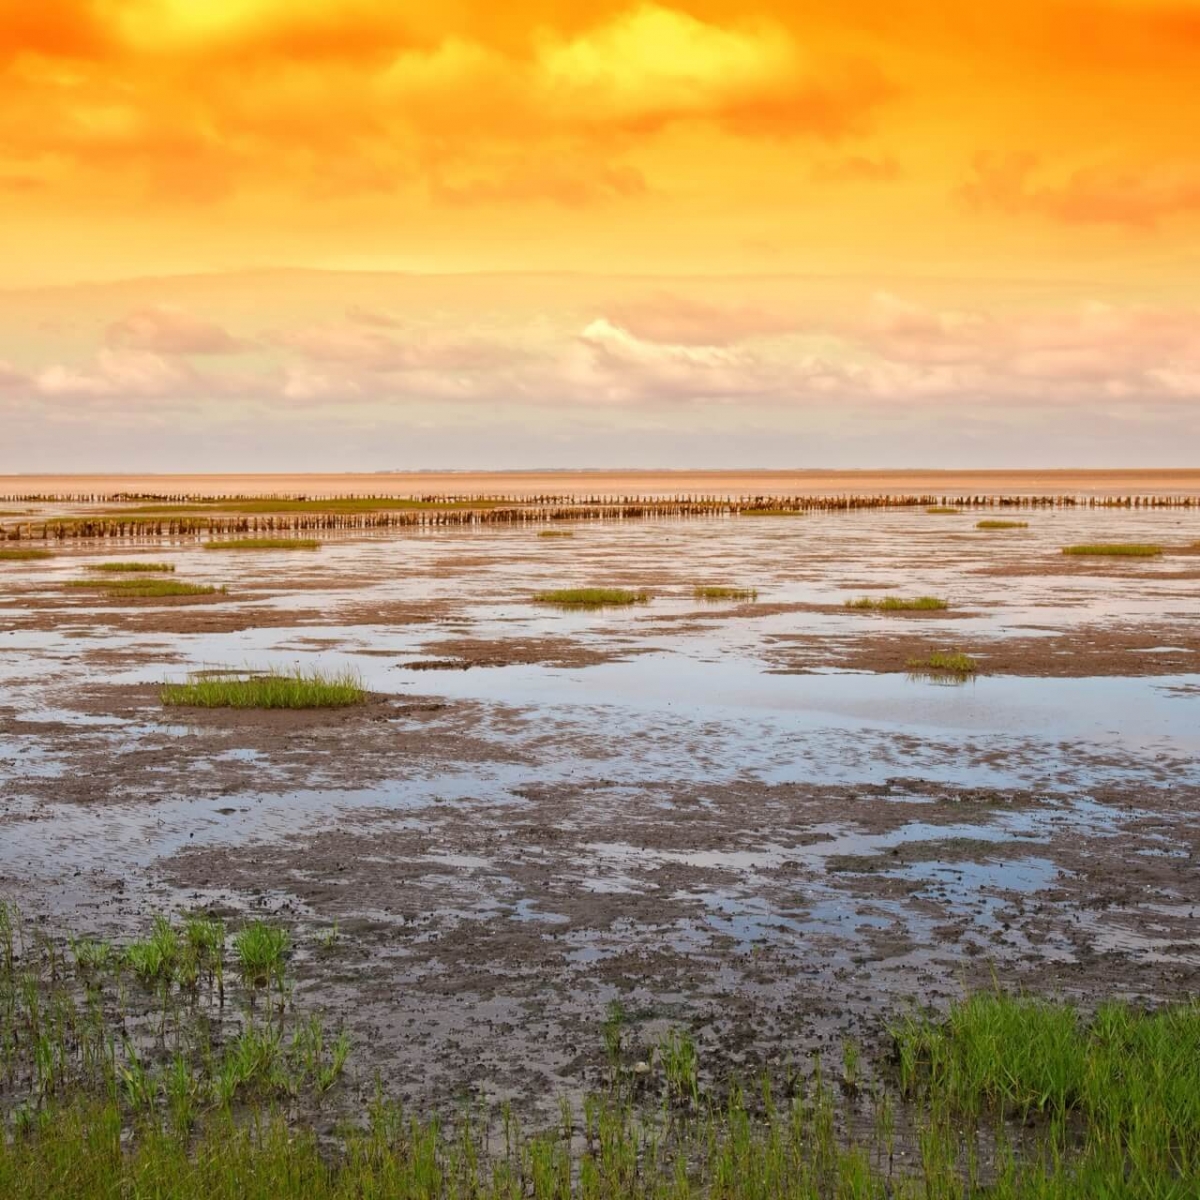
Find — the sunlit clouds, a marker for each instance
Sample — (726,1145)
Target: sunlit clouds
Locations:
(537,230)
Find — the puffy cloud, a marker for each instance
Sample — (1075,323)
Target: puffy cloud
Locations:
(167,330)
(858,168)
(119,373)
(1139,196)
(667,317)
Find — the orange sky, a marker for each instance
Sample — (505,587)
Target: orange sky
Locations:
(823,226)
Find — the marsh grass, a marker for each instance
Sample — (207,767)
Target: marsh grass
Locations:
(146,587)
(997,524)
(943,510)
(555,533)
(940,662)
(591,597)
(898,604)
(771,512)
(297,688)
(265,544)
(258,506)
(707,592)
(1115,549)
(1004,1097)
(134,566)
(23,554)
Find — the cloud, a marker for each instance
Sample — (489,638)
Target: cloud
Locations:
(1136,196)
(856,168)
(123,374)
(667,317)
(653,66)
(571,189)
(166,330)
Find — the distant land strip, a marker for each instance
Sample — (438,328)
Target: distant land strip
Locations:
(222,515)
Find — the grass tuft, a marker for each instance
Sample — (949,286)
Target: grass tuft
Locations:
(591,597)
(24,554)
(555,533)
(146,587)
(954,664)
(265,544)
(771,512)
(943,510)
(704,592)
(898,604)
(1001,524)
(1116,549)
(272,689)
(135,567)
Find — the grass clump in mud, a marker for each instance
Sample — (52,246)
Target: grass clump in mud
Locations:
(555,533)
(23,554)
(943,510)
(767,511)
(265,544)
(1115,549)
(898,604)
(146,587)
(943,663)
(134,567)
(592,597)
(707,592)
(998,524)
(298,688)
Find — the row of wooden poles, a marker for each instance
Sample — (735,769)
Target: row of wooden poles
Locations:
(731,502)
(495,512)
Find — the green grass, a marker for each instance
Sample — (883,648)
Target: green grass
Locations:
(265,543)
(943,510)
(24,554)
(591,597)
(134,567)
(899,604)
(143,1071)
(1116,549)
(706,592)
(1117,1097)
(146,587)
(955,664)
(555,533)
(1001,524)
(297,688)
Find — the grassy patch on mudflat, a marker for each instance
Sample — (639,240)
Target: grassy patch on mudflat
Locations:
(771,512)
(938,662)
(995,524)
(134,567)
(555,533)
(146,587)
(1115,549)
(708,592)
(24,554)
(943,510)
(898,604)
(272,689)
(592,597)
(265,544)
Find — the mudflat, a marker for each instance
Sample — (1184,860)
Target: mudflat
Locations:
(764,820)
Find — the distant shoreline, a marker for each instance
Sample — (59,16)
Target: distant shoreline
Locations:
(622,481)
